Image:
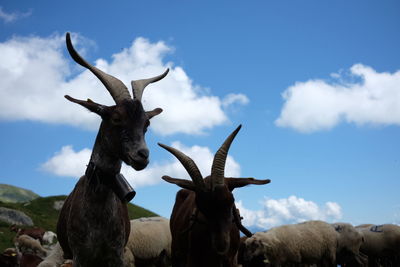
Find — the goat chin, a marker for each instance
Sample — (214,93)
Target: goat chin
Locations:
(221,246)
(138,165)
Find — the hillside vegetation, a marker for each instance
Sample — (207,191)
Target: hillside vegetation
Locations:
(10,193)
(43,214)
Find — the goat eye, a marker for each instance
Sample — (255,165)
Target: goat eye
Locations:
(116,120)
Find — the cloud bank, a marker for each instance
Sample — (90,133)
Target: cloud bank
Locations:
(36,74)
(289,210)
(70,163)
(363,96)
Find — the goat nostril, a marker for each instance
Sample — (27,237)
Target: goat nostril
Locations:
(143,153)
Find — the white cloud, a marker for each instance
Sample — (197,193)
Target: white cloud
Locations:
(68,162)
(235,98)
(288,210)
(317,105)
(36,75)
(11,17)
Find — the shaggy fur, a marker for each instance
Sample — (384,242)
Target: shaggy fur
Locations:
(349,243)
(49,238)
(54,259)
(312,242)
(149,237)
(36,232)
(27,244)
(129,259)
(381,243)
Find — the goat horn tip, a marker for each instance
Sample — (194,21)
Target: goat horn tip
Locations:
(166,178)
(161,145)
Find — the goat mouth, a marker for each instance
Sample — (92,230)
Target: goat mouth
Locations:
(222,251)
(138,165)
(221,248)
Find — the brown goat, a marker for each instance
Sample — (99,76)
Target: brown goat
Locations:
(36,232)
(204,224)
(30,260)
(93,226)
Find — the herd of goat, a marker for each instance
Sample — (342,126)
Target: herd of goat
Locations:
(204,229)
(311,243)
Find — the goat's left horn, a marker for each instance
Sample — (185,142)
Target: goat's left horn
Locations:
(189,165)
(117,89)
(218,165)
(139,85)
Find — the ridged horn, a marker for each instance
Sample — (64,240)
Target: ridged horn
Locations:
(218,165)
(189,165)
(115,87)
(139,85)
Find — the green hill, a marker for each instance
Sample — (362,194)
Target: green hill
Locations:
(9,193)
(43,214)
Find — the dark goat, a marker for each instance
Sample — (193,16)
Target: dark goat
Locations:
(93,225)
(9,258)
(204,221)
(29,260)
(36,232)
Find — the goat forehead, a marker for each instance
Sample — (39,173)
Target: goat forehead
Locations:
(223,195)
(217,199)
(131,110)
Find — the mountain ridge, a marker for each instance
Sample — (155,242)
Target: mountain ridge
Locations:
(44,213)
(13,194)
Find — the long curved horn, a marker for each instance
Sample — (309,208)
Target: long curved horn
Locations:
(189,165)
(117,89)
(139,85)
(218,166)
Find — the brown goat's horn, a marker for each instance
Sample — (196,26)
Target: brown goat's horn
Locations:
(117,89)
(218,165)
(189,165)
(139,85)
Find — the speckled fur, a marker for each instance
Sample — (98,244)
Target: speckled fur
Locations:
(98,226)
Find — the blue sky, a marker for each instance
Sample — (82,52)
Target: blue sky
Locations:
(315,84)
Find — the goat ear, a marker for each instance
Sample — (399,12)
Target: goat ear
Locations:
(154,112)
(90,105)
(186,184)
(233,183)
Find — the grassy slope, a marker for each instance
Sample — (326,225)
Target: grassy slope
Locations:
(9,193)
(44,215)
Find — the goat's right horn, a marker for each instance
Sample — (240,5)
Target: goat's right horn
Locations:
(218,165)
(139,85)
(117,89)
(189,165)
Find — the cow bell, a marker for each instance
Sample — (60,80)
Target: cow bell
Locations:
(123,189)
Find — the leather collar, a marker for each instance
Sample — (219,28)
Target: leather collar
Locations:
(95,174)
